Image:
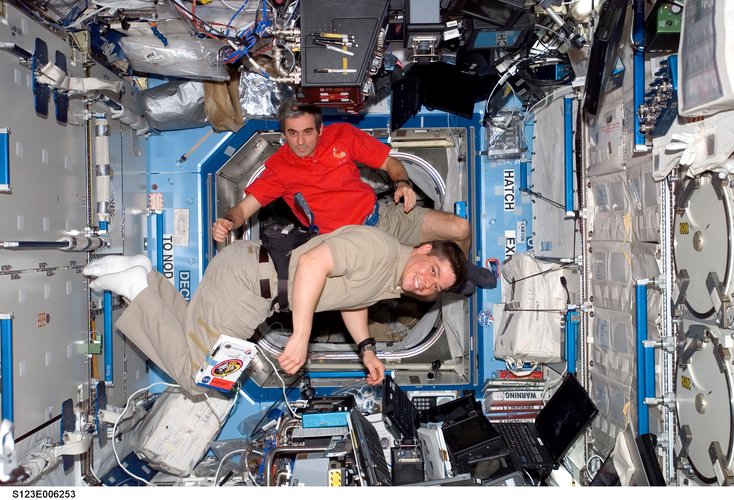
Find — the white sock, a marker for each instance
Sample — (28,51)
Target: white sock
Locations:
(115,264)
(128,283)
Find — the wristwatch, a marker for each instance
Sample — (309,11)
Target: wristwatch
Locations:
(406,181)
(368,344)
(366,348)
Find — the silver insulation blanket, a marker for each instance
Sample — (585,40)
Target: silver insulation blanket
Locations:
(175,105)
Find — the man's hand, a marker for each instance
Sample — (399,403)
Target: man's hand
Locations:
(294,355)
(397,173)
(375,367)
(221,229)
(234,218)
(405,192)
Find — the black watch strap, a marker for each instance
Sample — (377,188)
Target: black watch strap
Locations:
(405,181)
(368,341)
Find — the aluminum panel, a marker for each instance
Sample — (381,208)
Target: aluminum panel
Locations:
(49,336)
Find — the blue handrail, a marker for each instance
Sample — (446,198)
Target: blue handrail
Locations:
(568,152)
(6,345)
(345,374)
(572,325)
(342,374)
(523,176)
(5,160)
(107,342)
(644,372)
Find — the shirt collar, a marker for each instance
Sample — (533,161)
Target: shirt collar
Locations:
(404,253)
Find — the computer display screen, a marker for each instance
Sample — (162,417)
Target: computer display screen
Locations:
(470,432)
(607,474)
(492,468)
(565,416)
(439,85)
(604,51)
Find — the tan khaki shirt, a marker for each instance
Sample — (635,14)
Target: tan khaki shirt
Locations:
(368,264)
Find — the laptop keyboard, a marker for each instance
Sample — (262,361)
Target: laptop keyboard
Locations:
(518,438)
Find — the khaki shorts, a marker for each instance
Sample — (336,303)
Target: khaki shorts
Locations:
(405,227)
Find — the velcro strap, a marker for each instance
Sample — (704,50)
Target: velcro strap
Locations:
(283,295)
(365,343)
(263,254)
(264,283)
(265,289)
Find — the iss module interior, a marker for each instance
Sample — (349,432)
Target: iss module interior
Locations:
(377,243)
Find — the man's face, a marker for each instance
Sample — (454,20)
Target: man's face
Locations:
(301,135)
(426,275)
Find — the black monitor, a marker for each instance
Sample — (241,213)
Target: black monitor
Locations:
(646,444)
(645,468)
(497,13)
(607,474)
(604,51)
(439,85)
(470,432)
(452,411)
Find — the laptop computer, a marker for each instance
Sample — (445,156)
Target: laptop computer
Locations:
(640,474)
(435,452)
(468,434)
(370,460)
(502,470)
(543,443)
(471,439)
(458,480)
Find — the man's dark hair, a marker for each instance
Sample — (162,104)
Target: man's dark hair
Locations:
(292,109)
(450,251)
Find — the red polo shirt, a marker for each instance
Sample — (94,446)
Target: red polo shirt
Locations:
(328,179)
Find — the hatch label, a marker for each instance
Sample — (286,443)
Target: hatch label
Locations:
(509,190)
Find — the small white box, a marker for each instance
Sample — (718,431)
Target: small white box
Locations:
(225,363)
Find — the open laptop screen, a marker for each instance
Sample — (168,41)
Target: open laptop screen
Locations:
(438,85)
(565,416)
(470,432)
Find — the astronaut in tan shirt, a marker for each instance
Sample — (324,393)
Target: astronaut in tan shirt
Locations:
(346,270)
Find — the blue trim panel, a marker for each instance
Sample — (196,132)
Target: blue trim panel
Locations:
(159,227)
(639,67)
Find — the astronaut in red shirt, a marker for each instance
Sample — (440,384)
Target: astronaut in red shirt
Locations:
(319,162)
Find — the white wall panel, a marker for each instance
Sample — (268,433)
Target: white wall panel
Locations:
(48,177)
